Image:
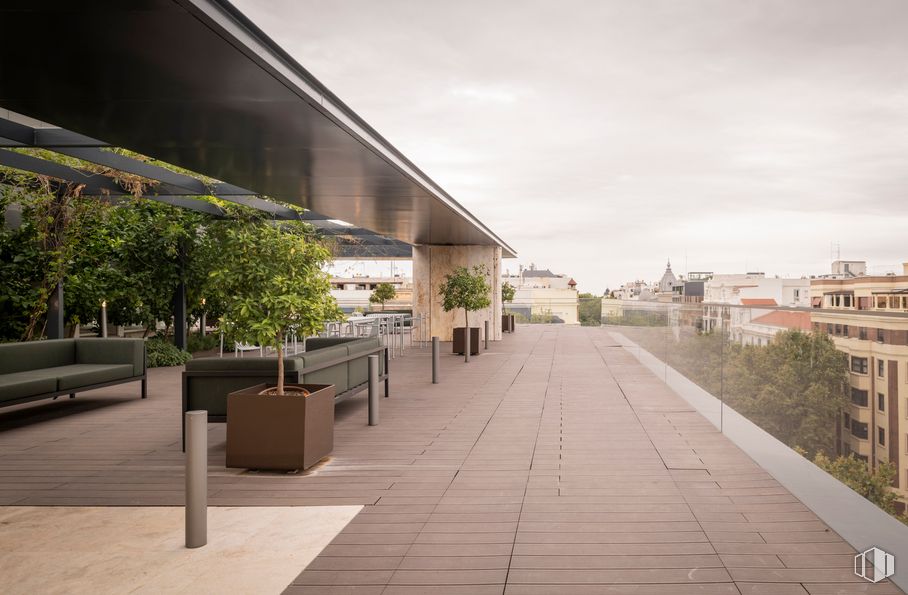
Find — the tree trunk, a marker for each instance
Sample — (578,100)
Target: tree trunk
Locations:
(280,364)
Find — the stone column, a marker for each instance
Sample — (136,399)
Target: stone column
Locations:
(431,263)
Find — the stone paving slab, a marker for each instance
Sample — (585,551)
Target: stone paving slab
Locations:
(552,463)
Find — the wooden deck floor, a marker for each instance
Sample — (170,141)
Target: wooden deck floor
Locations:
(554,463)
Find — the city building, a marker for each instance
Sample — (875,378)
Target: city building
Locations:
(694,287)
(754,290)
(545,295)
(866,317)
(353,293)
(759,330)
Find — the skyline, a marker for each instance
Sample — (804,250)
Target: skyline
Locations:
(755,134)
(405,268)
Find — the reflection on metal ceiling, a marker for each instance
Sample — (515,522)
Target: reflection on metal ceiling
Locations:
(195,84)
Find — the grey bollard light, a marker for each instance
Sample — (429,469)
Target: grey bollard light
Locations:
(486,335)
(196,478)
(104,319)
(373,390)
(436,359)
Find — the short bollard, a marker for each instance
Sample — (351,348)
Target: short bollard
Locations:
(466,340)
(486,335)
(196,478)
(373,390)
(436,359)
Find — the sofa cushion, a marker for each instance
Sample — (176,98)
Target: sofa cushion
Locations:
(358,368)
(19,385)
(112,351)
(78,375)
(34,355)
(316,343)
(336,375)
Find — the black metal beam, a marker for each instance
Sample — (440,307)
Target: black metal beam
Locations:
(95,184)
(15,134)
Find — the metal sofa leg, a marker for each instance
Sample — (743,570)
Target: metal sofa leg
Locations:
(72,395)
(144,388)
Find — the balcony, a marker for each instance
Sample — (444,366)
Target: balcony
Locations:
(558,461)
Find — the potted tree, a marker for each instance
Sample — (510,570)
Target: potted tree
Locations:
(382,293)
(470,291)
(507,296)
(276,279)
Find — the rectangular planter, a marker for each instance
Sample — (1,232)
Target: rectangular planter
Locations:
(459,346)
(507,323)
(281,433)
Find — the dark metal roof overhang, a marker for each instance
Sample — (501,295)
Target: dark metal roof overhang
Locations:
(173,188)
(195,84)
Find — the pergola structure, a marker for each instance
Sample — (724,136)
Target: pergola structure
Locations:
(195,84)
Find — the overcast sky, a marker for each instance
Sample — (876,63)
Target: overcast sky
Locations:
(601,138)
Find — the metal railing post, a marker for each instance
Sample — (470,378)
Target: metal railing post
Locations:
(373,390)
(436,359)
(196,478)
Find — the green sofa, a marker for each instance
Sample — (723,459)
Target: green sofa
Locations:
(47,369)
(341,361)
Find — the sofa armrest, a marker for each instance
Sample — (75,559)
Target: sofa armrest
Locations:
(112,351)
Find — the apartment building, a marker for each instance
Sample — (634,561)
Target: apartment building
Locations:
(757,292)
(867,317)
(543,293)
(353,292)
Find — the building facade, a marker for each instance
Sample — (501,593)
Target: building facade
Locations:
(353,293)
(544,296)
(867,317)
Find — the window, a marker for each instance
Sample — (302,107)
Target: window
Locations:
(847,419)
(862,333)
(858,429)
(859,397)
(845,330)
(859,365)
(838,329)
(881,436)
(881,368)
(828,328)
(880,301)
(879,335)
(880,402)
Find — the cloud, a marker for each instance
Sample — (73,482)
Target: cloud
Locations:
(600,137)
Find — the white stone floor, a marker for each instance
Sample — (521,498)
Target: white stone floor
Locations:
(97,550)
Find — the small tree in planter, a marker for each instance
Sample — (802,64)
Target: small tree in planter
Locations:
(276,281)
(468,290)
(382,293)
(508,292)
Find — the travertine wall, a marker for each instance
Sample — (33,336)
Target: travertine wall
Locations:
(431,263)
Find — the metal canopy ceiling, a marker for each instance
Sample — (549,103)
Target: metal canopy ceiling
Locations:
(195,84)
(173,188)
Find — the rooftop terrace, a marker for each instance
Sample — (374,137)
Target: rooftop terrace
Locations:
(555,462)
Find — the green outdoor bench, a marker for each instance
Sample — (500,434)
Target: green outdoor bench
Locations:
(341,361)
(47,369)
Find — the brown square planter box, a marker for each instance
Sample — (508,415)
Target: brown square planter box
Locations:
(281,433)
(459,346)
(507,323)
